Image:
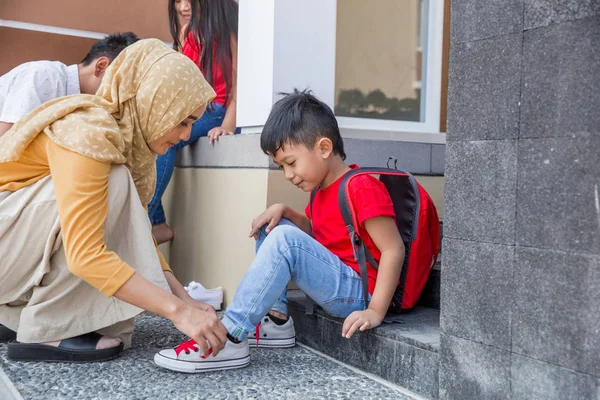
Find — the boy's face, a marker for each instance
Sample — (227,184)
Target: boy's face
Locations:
(306,168)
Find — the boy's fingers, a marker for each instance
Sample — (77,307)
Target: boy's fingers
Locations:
(272,224)
(354,327)
(348,323)
(365,326)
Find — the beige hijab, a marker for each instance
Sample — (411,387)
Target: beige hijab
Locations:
(147,90)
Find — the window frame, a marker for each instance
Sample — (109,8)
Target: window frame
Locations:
(431,88)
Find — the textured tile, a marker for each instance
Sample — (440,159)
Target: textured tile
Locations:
(555,315)
(476,287)
(480,191)
(438,158)
(470,370)
(533,379)
(476,20)
(412,157)
(559,192)
(561,98)
(484,89)
(544,12)
(273,374)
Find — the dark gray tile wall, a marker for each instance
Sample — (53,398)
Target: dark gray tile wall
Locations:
(481,182)
(520,286)
(475,295)
(545,12)
(471,370)
(561,70)
(483,89)
(473,20)
(532,379)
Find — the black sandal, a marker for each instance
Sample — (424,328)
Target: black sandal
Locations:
(6,334)
(77,349)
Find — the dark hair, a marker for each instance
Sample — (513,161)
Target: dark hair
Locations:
(213,24)
(110,46)
(300,118)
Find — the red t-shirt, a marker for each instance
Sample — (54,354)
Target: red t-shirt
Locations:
(370,199)
(219,85)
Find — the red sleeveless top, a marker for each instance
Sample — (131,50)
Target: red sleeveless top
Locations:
(219,85)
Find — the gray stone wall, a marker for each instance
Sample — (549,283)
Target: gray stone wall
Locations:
(520,305)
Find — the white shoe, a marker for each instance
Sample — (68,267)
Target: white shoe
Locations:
(187,357)
(269,334)
(214,297)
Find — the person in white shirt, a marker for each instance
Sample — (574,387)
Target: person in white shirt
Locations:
(31,84)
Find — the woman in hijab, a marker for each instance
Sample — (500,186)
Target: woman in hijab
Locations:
(76,175)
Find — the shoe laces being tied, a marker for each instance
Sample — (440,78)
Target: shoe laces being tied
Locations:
(190,345)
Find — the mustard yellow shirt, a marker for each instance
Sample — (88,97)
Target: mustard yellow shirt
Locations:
(81,186)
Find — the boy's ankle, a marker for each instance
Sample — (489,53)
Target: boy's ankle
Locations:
(278,318)
(232,339)
(277,314)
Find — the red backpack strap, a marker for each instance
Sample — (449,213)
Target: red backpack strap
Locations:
(361,252)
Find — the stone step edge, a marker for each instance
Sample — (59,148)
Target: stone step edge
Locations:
(320,313)
(400,389)
(7,388)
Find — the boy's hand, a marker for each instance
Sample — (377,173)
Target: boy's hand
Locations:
(362,320)
(271,216)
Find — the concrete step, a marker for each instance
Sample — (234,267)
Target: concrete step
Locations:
(405,354)
(296,373)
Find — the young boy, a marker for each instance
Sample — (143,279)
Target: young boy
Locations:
(28,85)
(314,250)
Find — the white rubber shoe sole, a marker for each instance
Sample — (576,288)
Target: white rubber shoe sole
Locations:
(194,367)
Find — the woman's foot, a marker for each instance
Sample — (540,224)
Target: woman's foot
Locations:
(88,347)
(162,233)
(6,334)
(105,342)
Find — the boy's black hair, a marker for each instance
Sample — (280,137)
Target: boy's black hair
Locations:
(110,47)
(300,118)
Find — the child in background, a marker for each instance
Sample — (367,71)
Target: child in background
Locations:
(313,250)
(209,38)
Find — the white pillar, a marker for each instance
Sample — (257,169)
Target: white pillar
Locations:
(283,44)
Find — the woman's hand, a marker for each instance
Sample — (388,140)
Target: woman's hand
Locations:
(214,133)
(202,326)
(271,216)
(200,305)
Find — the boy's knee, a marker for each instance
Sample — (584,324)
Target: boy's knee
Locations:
(285,232)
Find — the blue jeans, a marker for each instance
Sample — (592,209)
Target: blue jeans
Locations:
(165,164)
(288,253)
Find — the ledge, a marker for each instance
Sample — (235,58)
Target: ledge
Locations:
(243,151)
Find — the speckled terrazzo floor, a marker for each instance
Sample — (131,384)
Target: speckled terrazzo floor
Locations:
(273,374)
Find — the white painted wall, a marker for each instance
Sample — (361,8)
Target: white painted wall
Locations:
(304,50)
(255,61)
